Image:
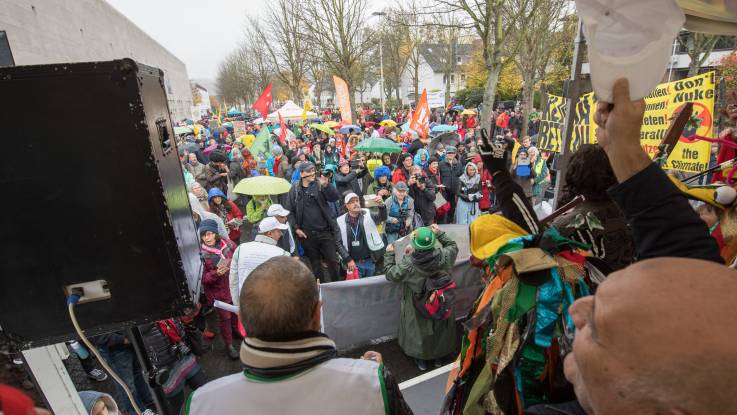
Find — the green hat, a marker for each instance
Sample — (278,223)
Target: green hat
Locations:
(423,239)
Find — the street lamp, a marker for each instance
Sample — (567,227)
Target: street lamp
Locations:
(381,67)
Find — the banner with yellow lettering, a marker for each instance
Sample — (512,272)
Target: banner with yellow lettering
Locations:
(666,100)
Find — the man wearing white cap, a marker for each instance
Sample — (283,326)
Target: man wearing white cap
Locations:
(286,242)
(249,255)
(360,236)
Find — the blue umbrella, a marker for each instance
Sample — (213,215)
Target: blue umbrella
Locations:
(443,128)
(347,128)
(458,108)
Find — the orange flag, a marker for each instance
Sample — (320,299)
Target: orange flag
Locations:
(421,116)
(344,100)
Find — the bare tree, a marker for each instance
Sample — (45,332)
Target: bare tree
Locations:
(409,15)
(317,74)
(493,21)
(534,37)
(279,35)
(394,39)
(234,80)
(338,27)
(698,47)
(446,30)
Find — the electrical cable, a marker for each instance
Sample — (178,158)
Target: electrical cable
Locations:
(71,302)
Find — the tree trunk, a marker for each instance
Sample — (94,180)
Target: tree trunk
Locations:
(296,94)
(693,67)
(528,91)
(489,96)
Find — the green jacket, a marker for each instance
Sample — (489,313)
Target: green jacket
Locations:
(419,337)
(255,211)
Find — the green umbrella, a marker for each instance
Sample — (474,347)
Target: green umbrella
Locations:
(262,186)
(182,130)
(322,127)
(378,145)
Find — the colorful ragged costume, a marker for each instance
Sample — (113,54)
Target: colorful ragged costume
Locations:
(512,351)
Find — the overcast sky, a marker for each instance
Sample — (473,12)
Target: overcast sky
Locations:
(199,32)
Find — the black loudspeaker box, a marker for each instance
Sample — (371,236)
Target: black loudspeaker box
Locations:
(92,191)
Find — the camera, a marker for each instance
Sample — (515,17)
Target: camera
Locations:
(420,179)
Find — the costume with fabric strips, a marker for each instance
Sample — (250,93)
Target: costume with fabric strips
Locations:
(519,329)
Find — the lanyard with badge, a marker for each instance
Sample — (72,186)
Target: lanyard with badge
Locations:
(356,232)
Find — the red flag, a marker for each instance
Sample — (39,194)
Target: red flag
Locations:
(282,129)
(421,116)
(263,102)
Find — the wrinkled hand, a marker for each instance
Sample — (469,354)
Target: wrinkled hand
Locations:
(372,355)
(301,234)
(378,199)
(619,132)
(494,154)
(620,126)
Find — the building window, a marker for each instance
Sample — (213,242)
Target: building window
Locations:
(458,59)
(452,78)
(463,77)
(6,56)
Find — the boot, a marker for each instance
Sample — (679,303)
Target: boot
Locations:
(231,351)
(421,364)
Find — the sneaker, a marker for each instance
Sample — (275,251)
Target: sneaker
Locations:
(97,374)
(18,361)
(148,412)
(421,364)
(232,352)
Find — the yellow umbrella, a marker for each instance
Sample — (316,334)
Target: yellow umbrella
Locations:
(468,112)
(388,123)
(247,139)
(331,124)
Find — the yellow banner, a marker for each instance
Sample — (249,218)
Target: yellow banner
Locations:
(666,99)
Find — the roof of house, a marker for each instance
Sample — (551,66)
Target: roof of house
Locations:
(433,54)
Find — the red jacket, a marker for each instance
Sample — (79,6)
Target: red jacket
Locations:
(485,202)
(217,287)
(234,233)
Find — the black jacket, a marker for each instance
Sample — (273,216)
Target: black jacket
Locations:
(662,220)
(424,201)
(449,174)
(414,146)
(349,182)
(323,195)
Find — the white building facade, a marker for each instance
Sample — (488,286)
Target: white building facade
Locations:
(60,31)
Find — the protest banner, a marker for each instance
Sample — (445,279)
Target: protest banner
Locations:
(661,105)
(239,128)
(436,99)
(344,100)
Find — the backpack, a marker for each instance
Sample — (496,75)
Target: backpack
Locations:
(435,302)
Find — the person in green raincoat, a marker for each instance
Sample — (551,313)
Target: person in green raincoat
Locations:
(419,337)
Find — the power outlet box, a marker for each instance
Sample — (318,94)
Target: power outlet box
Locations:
(93,291)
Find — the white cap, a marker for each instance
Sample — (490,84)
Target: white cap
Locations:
(269,224)
(277,210)
(629,39)
(349,196)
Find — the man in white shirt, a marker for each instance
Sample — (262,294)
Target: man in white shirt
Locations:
(252,254)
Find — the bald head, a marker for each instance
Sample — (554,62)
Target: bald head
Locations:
(660,335)
(278,299)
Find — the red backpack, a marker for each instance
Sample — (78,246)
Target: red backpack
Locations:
(435,302)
